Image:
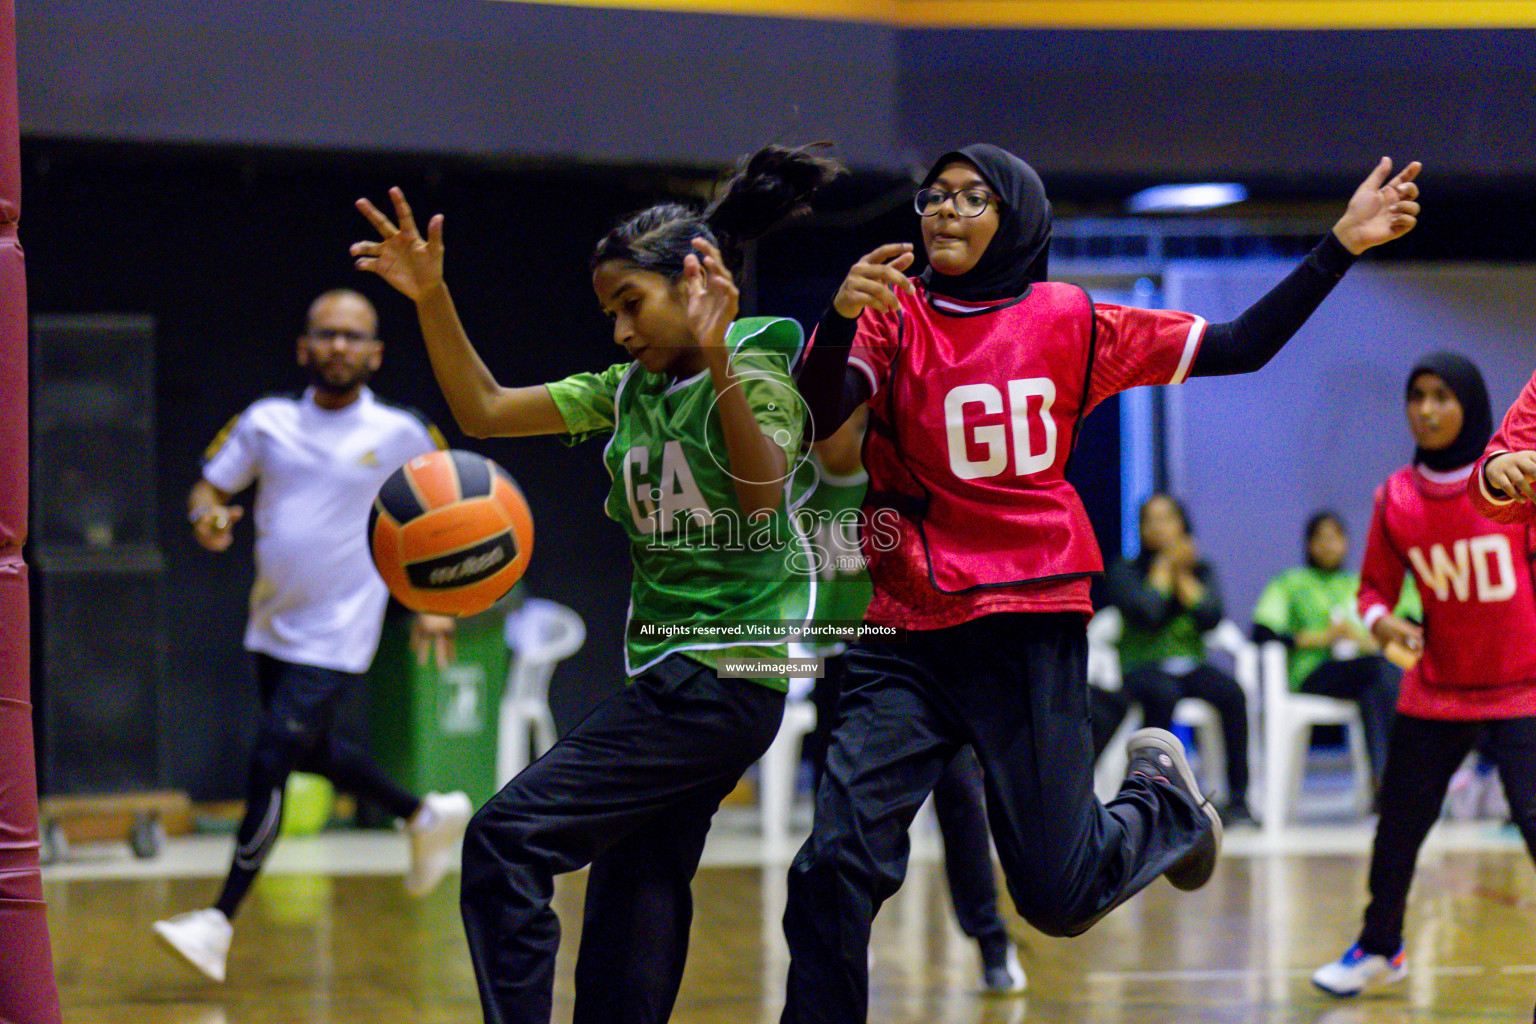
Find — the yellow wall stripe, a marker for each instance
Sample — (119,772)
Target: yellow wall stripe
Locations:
(1117,14)
(1210,14)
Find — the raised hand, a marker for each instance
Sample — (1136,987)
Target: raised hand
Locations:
(872,282)
(712,295)
(412,264)
(1380,210)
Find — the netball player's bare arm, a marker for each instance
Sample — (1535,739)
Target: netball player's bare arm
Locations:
(1381,584)
(757,465)
(413,265)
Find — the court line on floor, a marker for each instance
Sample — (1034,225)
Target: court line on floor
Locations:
(1253,974)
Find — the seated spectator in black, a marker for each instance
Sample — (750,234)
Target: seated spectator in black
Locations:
(1169,599)
(1311,609)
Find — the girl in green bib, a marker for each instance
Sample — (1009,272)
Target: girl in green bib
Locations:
(1311,609)
(704,428)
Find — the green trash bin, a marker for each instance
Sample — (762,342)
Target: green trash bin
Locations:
(435,729)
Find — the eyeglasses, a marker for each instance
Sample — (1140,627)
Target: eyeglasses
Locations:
(329,334)
(969,202)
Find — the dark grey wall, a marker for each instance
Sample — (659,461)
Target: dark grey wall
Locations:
(469,77)
(1277,104)
(479,77)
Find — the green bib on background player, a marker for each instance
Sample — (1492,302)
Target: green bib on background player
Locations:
(1307,600)
(705,580)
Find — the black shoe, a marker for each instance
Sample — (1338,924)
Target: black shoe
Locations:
(1158,754)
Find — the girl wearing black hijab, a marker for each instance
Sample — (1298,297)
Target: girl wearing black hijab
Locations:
(1475,673)
(977,375)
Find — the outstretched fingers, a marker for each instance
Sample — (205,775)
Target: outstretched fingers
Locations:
(886,252)
(1403,194)
(1406,175)
(403,213)
(381,223)
(1378,175)
(366,254)
(887,263)
(400,255)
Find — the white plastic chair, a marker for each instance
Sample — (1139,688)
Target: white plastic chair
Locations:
(1288,721)
(1228,638)
(1104,631)
(539,634)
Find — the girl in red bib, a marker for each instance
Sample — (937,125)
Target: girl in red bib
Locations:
(1477,666)
(977,375)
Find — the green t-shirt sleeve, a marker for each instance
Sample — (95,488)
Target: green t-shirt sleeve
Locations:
(773,399)
(1274,607)
(777,334)
(585,401)
(1409,605)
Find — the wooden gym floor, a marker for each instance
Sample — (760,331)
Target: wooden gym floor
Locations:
(327,937)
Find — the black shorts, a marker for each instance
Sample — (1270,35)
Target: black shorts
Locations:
(300,701)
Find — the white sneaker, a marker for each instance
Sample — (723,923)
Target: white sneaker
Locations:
(1357,970)
(435,849)
(201,937)
(1464,795)
(1006,978)
(1495,802)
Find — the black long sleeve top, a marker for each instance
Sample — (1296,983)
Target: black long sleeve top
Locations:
(832,390)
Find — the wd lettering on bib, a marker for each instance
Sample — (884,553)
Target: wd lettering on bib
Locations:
(1484,562)
(1474,579)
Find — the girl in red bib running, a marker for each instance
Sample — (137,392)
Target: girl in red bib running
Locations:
(1477,669)
(977,375)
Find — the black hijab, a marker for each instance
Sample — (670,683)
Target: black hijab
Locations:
(1464,379)
(1018,253)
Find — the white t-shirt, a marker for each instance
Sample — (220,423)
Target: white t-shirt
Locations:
(317,599)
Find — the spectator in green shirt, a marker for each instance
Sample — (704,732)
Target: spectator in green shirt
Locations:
(1311,609)
(1169,599)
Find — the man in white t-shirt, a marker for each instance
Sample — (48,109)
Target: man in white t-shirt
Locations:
(317,605)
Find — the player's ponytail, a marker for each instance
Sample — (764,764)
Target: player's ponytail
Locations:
(773,186)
